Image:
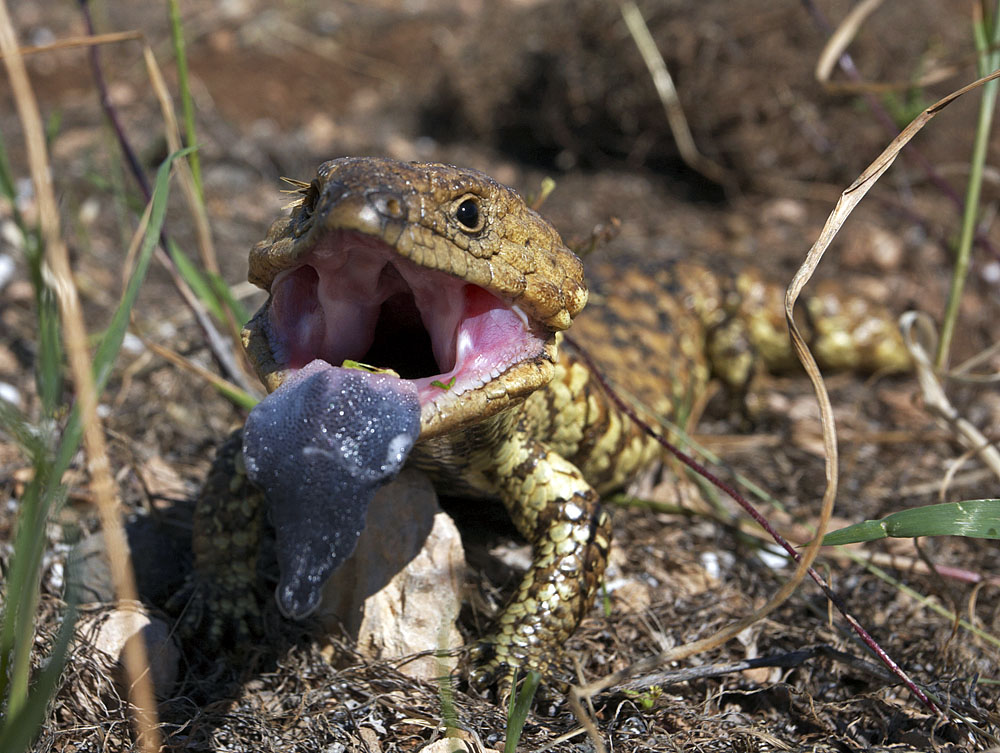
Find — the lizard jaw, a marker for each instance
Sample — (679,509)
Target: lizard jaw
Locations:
(352,296)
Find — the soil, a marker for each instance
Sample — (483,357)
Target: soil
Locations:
(525,89)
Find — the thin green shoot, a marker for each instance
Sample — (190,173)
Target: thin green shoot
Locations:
(17,731)
(22,582)
(49,374)
(517,709)
(211,289)
(187,103)
(225,294)
(988,47)
(197,280)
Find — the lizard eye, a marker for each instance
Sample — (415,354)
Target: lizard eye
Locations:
(467,213)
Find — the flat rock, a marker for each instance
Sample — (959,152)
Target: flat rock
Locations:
(401,591)
(109,630)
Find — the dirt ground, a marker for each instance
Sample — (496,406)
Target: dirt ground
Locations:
(525,89)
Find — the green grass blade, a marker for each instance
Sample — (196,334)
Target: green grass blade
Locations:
(238,397)
(7,177)
(17,731)
(197,280)
(110,344)
(517,712)
(187,104)
(225,294)
(989,59)
(49,372)
(17,427)
(22,589)
(975,518)
(211,289)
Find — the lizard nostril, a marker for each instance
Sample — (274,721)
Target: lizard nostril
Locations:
(388,204)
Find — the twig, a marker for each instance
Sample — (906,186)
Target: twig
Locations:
(786,660)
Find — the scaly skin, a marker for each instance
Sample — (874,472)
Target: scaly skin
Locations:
(541,436)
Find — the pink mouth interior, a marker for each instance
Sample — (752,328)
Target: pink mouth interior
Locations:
(353,297)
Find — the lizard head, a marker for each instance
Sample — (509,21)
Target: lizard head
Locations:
(439,274)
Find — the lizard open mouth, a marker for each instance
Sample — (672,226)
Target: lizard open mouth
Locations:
(440,275)
(353,297)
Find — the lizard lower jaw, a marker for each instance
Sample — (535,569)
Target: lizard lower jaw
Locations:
(353,297)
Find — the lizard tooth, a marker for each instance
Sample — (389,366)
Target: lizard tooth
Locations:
(521,315)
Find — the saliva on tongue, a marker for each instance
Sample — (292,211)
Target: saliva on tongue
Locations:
(319,447)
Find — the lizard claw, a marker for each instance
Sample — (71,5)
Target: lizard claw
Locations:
(498,666)
(214,614)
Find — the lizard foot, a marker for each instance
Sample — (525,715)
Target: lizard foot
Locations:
(499,665)
(214,614)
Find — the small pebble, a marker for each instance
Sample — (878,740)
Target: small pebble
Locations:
(6,270)
(990,273)
(133,344)
(10,393)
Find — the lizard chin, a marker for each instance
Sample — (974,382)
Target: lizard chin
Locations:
(352,297)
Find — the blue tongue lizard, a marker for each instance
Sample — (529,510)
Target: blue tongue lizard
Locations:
(320,446)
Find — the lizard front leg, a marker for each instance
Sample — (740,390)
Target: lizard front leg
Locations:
(560,514)
(220,600)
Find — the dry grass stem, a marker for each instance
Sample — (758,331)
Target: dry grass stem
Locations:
(919,335)
(960,372)
(85,41)
(75,337)
(188,365)
(133,247)
(667,92)
(969,478)
(842,37)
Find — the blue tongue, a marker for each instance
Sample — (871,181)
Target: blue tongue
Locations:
(320,446)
